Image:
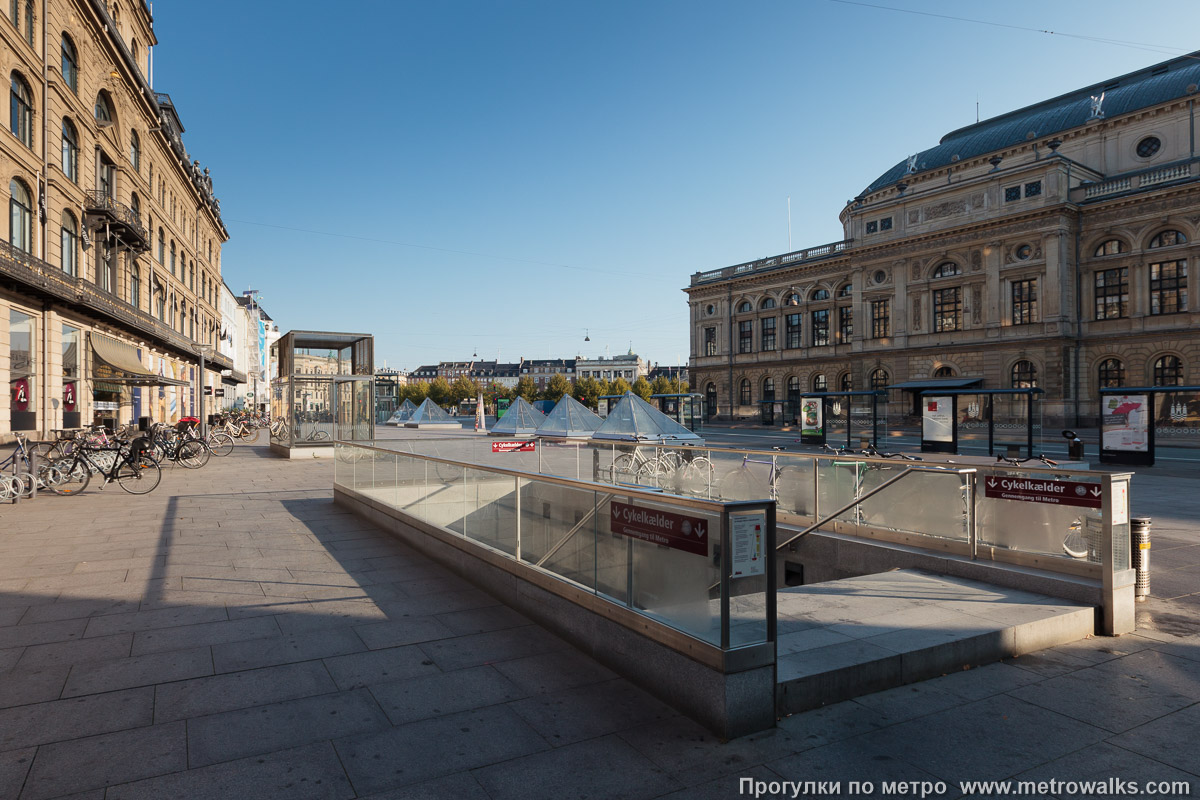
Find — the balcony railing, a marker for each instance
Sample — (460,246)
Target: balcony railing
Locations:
(773,262)
(1135,181)
(118,215)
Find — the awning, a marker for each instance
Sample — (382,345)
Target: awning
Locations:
(922,384)
(231,377)
(122,365)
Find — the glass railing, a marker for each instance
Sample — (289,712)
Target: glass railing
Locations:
(702,567)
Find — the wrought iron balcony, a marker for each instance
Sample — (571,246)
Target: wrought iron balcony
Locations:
(121,220)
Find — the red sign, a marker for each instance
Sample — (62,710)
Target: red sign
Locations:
(1033,490)
(512,447)
(689,534)
(69,396)
(21,395)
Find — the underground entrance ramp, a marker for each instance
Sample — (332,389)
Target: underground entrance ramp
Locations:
(846,638)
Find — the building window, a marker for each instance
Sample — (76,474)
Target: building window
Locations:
(845,324)
(106,269)
(946,269)
(29,22)
(1168,239)
(162,245)
(819,383)
(1024,302)
(768,393)
(102,112)
(1168,287)
(135,151)
(793,388)
(1110,248)
(880,379)
(1024,375)
(1148,147)
(172,256)
(944,372)
(846,291)
(947,309)
(746,337)
(744,307)
(70,244)
(1012,193)
(768,334)
(70,65)
(820,328)
(1168,371)
(14,12)
(1033,189)
(846,382)
(20,217)
(745,392)
(873,226)
(791,331)
(1024,252)
(70,151)
(768,303)
(885,224)
(1111,373)
(21,111)
(710,341)
(160,301)
(1112,293)
(881,322)
(820,294)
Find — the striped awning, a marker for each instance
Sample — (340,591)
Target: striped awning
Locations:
(118,362)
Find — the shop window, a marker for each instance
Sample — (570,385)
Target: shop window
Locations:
(22,373)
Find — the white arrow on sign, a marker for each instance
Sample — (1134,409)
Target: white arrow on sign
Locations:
(992,482)
(1096,492)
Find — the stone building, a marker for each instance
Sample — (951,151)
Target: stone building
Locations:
(111,267)
(1047,247)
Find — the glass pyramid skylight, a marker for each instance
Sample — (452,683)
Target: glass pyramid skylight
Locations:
(403,413)
(520,419)
(635,420)
(570,418)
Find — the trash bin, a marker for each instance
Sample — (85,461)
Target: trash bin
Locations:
(1139,532)
(1074,445)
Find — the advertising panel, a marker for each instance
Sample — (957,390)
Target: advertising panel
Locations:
(1125,422)
(812,420)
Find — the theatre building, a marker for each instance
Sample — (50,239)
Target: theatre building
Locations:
(1052,247)
(111,263)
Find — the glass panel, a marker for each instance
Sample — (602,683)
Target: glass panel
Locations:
(1010,416)
(837,421)
(743,476)
(312,412)
(1177,418)
(558,529)
(921,503)
(795,487)
(446,501)
(1063,531)
(490,510)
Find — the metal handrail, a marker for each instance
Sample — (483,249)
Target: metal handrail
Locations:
(858,500)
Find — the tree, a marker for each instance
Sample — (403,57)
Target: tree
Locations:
(556,388)
(587,391)
(618,386)
(463,388)
(526,388)
(416,391)
(439,391)
(662,385)
(641,387)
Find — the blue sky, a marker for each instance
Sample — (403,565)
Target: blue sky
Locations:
(480,176)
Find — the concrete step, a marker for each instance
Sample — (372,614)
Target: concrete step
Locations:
(847,638)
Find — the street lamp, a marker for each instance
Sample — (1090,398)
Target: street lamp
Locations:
(202,350)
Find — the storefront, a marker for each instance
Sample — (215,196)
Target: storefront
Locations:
(22,372)
(117,372)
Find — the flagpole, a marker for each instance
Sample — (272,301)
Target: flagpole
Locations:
(789,223)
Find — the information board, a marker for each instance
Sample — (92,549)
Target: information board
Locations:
(748,533)
(663,528)
(938,432)
(812,420)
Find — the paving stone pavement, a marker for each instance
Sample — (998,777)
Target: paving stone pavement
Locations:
(235,635)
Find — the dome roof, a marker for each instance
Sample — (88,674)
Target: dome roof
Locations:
(1141,89)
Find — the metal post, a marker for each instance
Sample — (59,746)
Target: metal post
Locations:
(1029,425)
(1139,532)
(200,396)
(517,504)
(725,579)
(991,400)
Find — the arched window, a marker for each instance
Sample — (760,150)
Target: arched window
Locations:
(162,245)
(744,306)
(944,372)
(102,111)
(1024,375)
(768,303)
(820,383)
(160,300)
(880,379)
(1168,371)
(135,205)
(845,291)
(846,382)
(192,276)
(820,294)
(172,256)
(793,387)
(29,22)
(70,151)
(1111,373)
(135,151)
(70,64)
(1111,247)
(946,269)
(70,244)
(710,399)
(21,111)
(1168,239)
(20,216)
(744,397)
(792,299)
(768,390)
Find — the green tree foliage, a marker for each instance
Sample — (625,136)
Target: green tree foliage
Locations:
(557,386)
(416,391)
(587,391)
(439,391)
(641,387)
(527,388)
(662,385)
(463,388)
(618,386)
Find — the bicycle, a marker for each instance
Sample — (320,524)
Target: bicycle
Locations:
(20,484)
(168,444)
(132,467)
(1016,462)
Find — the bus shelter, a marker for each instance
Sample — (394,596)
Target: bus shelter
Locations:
(1008,418)
(685,408)
(1134,420)
(835,417)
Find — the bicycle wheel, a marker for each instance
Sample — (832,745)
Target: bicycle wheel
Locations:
(248,435)
(139,476)
(7,488)
(75,477)
(623,465)
(695,478)
(49,476)
(1074,544)
(221,444)
(742,484)
(320,436)
(193,454)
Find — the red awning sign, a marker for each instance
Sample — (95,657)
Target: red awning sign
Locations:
(1033,490)
(513,447)
(689,534)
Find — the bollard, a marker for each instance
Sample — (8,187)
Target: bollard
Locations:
(1139,532)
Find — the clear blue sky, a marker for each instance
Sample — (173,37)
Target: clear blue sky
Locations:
(464,176)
